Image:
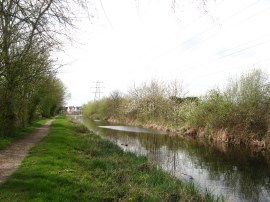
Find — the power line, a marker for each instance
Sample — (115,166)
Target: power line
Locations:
(172,35)
(250,17)
(240,45)
(212,26)
(207,29)
(230,54)
(105,13)
(244,46)
(250,63)
(251,41)
(241,10)
(238,51)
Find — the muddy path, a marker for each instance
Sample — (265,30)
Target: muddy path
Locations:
(11,157)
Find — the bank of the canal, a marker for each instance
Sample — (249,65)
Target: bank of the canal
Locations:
(240,174)
(73,164)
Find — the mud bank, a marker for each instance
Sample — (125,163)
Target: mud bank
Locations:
(235,137)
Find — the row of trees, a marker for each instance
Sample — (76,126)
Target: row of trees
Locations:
(242,108)
(29,32)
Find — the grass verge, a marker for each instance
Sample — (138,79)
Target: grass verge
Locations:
(7,141)
(73,164)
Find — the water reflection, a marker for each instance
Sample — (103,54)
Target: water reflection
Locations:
(133,129)
(239,175)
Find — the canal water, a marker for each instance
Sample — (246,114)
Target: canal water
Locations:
(239,175)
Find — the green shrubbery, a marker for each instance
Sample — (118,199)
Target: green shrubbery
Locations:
(149,103)
(98,109)
(241,107)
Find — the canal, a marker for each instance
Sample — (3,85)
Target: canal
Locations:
(237,174)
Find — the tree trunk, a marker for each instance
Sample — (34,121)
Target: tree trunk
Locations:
(9,115)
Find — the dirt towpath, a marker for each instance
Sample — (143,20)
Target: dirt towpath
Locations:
(11,158)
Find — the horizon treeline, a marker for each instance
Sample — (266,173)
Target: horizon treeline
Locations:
(242,108)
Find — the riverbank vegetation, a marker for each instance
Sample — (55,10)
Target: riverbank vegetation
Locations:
(73,164)
(237,114)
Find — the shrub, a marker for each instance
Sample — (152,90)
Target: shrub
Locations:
(97,109)
(245,104)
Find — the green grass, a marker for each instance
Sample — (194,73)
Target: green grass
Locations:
(7,141)
(72,164)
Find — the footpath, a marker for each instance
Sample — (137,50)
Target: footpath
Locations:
(11,158)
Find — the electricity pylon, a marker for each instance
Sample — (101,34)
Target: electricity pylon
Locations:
(98,90)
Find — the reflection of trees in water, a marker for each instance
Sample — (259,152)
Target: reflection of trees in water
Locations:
(244,173)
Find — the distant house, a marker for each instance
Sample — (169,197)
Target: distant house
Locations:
(72,110)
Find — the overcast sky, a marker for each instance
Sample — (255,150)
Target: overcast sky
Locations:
(131,41)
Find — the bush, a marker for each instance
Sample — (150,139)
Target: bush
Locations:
(97,109)
(244,104)
(242,107)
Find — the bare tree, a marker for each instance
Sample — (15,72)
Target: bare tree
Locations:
(176,89)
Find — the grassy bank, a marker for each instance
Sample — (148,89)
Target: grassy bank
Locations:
(72,164)
(9,140)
